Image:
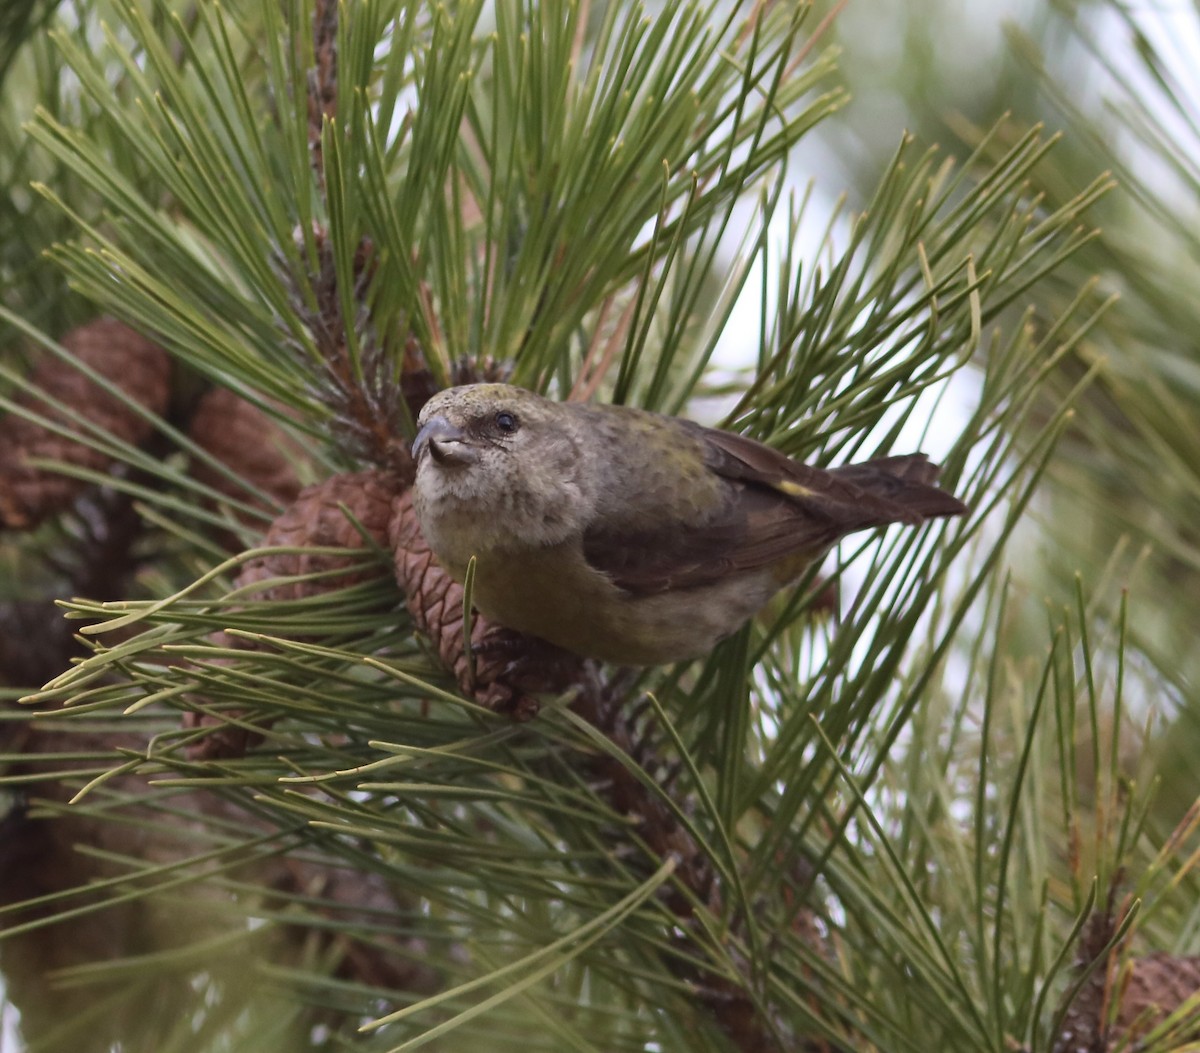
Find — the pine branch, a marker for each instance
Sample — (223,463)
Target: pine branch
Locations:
(832,830)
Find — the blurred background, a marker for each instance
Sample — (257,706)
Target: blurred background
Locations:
(1119,506)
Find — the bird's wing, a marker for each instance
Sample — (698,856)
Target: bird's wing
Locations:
(775,509)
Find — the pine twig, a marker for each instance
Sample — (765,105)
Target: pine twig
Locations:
(322,80)
(436,603)
(40,859)
(728,1002)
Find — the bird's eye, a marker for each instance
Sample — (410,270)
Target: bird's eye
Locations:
(506,422)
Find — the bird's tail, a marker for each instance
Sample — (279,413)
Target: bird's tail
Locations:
(906,481)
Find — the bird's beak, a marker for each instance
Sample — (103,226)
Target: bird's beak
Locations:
(447,444)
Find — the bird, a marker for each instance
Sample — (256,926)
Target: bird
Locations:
(629,536)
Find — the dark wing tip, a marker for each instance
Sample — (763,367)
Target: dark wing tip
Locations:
(907,480)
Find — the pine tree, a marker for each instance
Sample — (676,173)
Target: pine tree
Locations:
(263,790)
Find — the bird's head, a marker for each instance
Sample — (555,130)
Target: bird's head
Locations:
(499,463)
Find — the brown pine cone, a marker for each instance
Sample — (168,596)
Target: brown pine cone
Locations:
(508,667)
(317,518)
(249,442)
(136,365)
(1154,988)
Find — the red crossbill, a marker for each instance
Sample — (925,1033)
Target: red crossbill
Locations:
(629,536)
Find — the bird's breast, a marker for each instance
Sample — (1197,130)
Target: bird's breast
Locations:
(549,592)
(554,594)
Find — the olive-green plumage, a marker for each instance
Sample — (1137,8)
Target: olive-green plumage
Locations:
(629,536)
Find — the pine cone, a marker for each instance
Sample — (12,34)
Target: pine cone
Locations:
(136,365)
(319,517)
(1154,988)
(248,441)
(508,667)
(1146,990)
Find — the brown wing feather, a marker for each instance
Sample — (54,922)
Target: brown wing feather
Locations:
(737,457)
(907,480)
(775,508)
